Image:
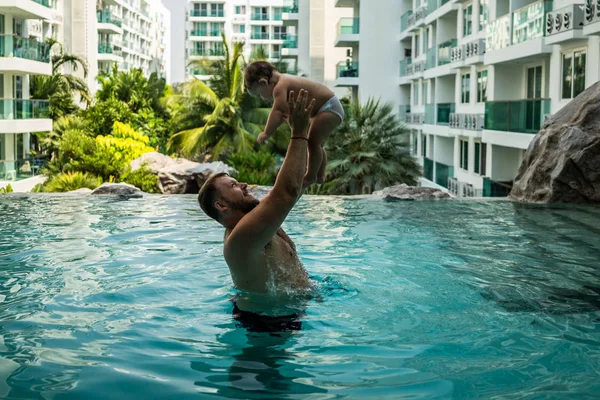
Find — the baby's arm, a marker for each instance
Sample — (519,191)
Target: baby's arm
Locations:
(279,114)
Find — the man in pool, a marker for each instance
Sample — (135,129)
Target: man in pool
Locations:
(260,255)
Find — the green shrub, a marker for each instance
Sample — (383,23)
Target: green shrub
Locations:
(7,189)
(254,168)
(143,178)
(69,181)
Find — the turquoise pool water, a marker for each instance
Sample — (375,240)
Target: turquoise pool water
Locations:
(101,298)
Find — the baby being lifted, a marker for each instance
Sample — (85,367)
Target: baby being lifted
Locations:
(262,79)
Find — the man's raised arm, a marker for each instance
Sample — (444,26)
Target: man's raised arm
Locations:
(258,227)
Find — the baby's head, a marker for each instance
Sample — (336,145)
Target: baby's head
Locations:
(258,79)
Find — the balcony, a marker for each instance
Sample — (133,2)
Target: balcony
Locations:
(347,73)
(24,55)
(567,23)
(259,36)
(277,16)
(522,116)
(290,45)
(469,53)
(290,10)
(109,52)
(442,173)
(207,33)
(208,13)
(207,52)
(108,23)
(27,9)
(404,66)
(404,20)
(19,116)
(438,114)
(403,112)
(522,31)
(474,122)
(16,170)
(445,52)
(415,118)
(347,32)
(260,17)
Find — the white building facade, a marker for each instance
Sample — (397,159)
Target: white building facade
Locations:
(21,57)
(473,80)
(297,32)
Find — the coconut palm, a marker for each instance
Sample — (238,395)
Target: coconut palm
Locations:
(224,126)
(60,87)
(369,151)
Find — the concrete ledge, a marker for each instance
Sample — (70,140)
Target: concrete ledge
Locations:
(515,140)
(25,125)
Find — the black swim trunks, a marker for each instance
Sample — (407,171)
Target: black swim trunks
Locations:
(262,323)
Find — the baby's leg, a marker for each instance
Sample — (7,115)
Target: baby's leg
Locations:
(321,127)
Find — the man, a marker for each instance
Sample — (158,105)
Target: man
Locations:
(260,255)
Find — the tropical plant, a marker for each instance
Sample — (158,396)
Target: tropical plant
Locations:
(7,189)
(256,168)
(60,87)
(369,151)
(68,181)
(142,178)
(49,141)
(231,118)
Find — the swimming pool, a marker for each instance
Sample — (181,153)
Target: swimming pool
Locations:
(102,298)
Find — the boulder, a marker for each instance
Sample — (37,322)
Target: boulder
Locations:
(123,190)
(405,192)
(562,163)
(178,175)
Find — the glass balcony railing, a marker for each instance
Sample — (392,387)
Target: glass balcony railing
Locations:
(442,173)
(24,109)
(347,69)
(445,52)
(207,13)
(529,22)
(20,47)
(430,114)
(404,66)
(348,26)
(291,42)
(433,5)
(45,3)
(206,32)
(498,33)
(404,19)
(290,6)
(260,17)
(279,36)
(259,36)
(431,62)
(105,17)
(428,168)
(207,52)
(276,54)
(104,48)
(277,16)
(524,116)
(443,113)
(403,112)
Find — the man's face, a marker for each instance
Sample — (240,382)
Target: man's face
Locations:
(235,195)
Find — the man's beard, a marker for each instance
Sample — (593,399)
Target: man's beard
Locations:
(244,206)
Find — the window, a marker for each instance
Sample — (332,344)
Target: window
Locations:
(477,166)
(417,47)
(468,20)
(464,154)
(415,142)
(483,14)
(242,28)
(465,88)
(425,39)
(426,92)
(240,10)
(416,93)
(482,86)
(573,79)
(423,145)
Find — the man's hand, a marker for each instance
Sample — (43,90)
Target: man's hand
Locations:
(262,138)
(299,114)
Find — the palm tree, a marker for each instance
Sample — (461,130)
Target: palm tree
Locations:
(60,87)
(224,126)
(369,151)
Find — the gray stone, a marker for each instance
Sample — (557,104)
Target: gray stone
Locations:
(178,175)
(562,163)
(123,190)
(407,193)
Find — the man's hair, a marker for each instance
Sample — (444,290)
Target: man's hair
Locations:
(208,195)
(257,70)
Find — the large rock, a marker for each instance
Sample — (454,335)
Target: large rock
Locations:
(562,163)
(123,190)
(178,175)
(405,192)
